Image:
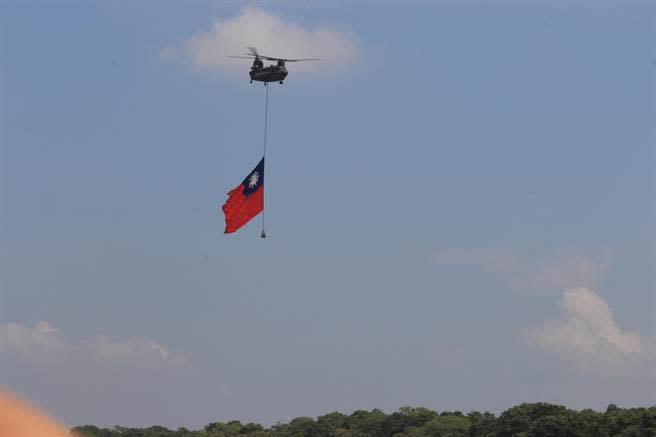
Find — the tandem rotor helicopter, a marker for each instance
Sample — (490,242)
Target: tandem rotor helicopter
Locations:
(274,72)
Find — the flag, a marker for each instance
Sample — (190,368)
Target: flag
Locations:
(246,200)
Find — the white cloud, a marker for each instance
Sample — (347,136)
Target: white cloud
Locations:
(589,337)
(566,268)
(136,351)
(273,36)
(41,341)
(44,343)
(570,268)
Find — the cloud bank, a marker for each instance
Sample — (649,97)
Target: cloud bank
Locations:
(44,343)
(273,36)
(589,337)
(97,379)
(587,340)
(565,269)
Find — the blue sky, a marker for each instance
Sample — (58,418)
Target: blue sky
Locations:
(459,207)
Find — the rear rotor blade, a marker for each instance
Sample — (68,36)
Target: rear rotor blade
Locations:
(254,54)
(269,58)
(300,60)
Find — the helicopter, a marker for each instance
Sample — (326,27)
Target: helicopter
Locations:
(274,72)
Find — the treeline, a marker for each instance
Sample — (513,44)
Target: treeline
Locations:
(525,420)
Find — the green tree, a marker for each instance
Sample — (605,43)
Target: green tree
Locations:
(482,424)
(92,431)
(330,423)
(304,427)
(448,426)
(366,423)
(517,420)
(220,429)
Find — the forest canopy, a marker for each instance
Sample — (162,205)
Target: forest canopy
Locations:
(525,420)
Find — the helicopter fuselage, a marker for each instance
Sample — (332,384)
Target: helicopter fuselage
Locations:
(272,73)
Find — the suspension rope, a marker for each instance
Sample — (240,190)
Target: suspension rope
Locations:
(266,122)
(266,116)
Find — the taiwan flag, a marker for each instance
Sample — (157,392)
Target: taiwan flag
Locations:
(246,200)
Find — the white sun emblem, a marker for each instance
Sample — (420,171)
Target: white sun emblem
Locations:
(254,179)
